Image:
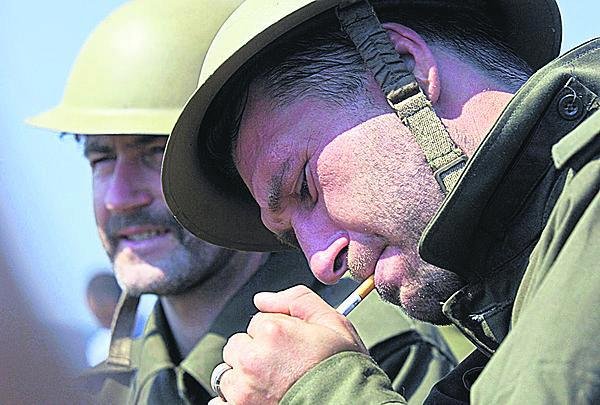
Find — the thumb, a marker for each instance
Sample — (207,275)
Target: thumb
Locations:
(298,301)
(302,303)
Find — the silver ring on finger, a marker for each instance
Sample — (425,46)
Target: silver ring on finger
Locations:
(215,379)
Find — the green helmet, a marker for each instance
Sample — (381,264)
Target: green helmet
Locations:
(531,27)
(138,68)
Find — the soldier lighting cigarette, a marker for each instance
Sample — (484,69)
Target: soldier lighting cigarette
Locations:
(357,296)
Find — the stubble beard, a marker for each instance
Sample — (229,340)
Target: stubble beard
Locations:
(186,266)
(173,275)
(422,297)
(420,289)
(417,287)
(425,287)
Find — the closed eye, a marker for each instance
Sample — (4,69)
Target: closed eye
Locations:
(304,189)
(153,156)
(307,192)
(98,159)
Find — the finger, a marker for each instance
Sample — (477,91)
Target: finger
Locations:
(265,324)
(228,385)
(280,302)
(299,302)
(236,346)
(217,401)
(277,302)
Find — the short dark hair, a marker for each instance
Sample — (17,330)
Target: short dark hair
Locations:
(320,61)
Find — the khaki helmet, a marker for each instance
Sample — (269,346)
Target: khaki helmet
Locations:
(138,68)
(531,27)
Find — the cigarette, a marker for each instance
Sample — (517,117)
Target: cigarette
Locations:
(357,296)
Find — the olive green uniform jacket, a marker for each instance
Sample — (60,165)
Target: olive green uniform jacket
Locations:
(153,372)
(523,228)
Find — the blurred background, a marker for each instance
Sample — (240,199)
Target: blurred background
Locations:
(48,242)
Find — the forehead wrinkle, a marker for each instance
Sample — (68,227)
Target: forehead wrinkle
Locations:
(139,140)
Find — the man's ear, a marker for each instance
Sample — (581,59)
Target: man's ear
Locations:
(407,41)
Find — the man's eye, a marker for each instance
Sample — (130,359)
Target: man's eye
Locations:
(153,157)
(157,150)
(304,192)
(96,161)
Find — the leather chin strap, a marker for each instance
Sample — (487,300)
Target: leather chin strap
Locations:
(359,22)
(119,353)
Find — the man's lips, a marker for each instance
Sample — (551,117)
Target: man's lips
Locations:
(390,268)
(141,233)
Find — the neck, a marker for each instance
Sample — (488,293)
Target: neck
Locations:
(470,101)
(191,314)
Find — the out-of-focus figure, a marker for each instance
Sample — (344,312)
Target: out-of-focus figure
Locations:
(102,296)
(34,368)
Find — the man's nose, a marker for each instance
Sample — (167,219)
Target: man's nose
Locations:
(325,247)
(127,188)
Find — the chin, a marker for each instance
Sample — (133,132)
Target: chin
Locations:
(423,301)
(428,311)
(138,278)
(160,278)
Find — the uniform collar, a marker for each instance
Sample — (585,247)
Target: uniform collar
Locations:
(502,202)
(158,348)
(475,210)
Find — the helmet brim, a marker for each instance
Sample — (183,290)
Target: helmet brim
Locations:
(70,120)
(532,29)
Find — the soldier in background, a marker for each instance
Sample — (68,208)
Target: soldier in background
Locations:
(35,364)
(102,297)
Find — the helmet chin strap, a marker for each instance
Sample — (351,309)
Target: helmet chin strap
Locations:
(119,353)
(446,159)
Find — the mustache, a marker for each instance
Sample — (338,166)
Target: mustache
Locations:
(143,216)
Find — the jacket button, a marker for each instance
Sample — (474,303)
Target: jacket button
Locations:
(570,107)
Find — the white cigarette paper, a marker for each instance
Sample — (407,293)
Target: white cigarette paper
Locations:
(357,296)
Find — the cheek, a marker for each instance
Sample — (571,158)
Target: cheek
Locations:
(371,184)
(99,188)
(345,179)
(154,186)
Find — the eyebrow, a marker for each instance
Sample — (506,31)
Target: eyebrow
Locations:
(275,187)
(93,147)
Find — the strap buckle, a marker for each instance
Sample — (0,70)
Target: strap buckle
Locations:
(439,173)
